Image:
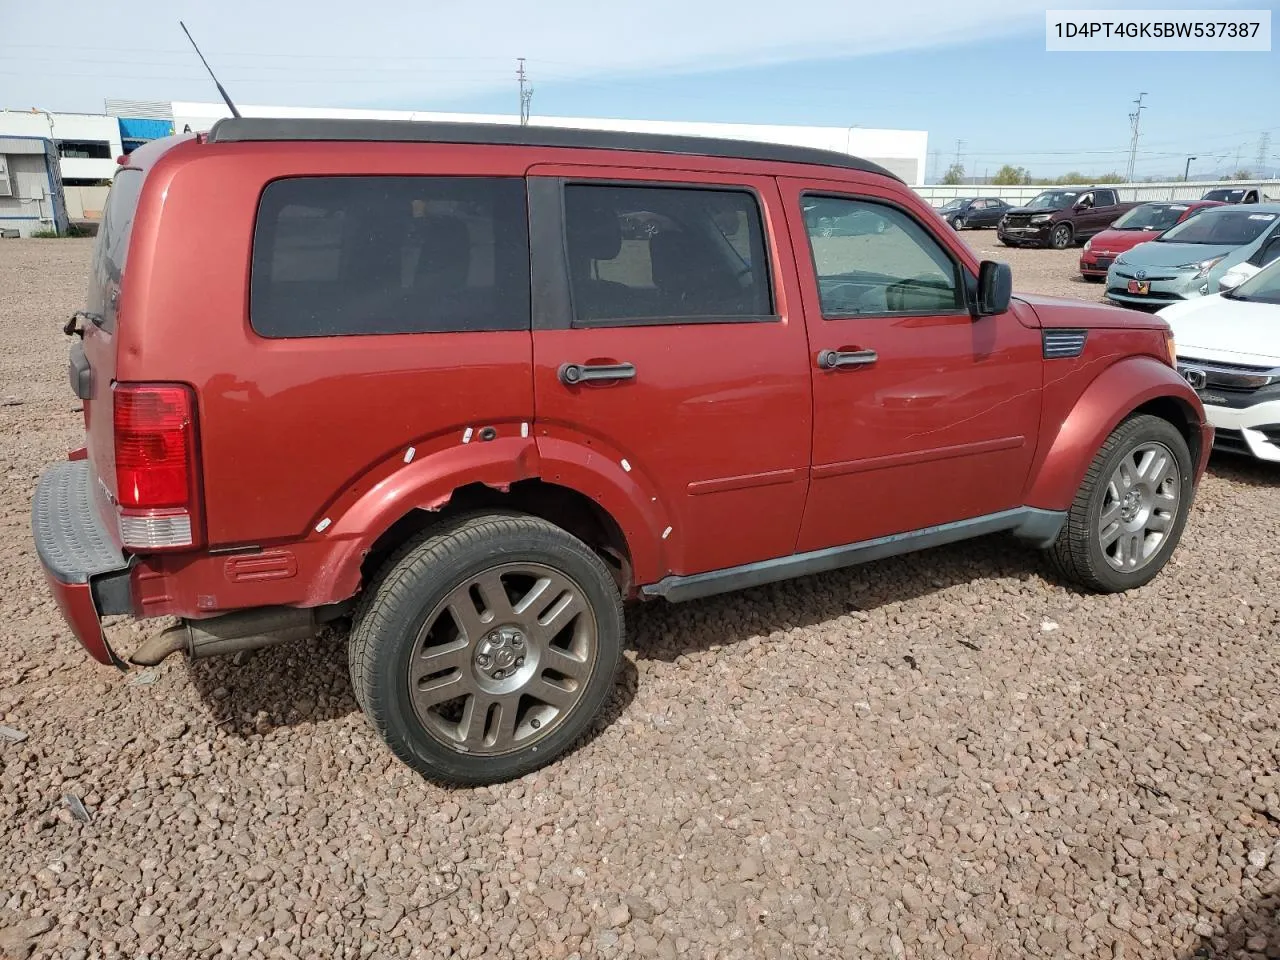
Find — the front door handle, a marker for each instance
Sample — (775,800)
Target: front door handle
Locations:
(841,359)
(571,374)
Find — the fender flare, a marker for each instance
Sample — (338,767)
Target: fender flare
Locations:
(395,489)
(355,521)
(1111,397)
(627,495)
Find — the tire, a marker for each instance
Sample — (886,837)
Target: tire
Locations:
(1061,237)
(497,563)
(1079,553)
(958,223)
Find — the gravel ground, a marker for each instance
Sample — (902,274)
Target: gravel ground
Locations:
(945,755)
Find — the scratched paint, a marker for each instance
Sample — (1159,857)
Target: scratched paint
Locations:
(466,436)
(409,455)
(323,525)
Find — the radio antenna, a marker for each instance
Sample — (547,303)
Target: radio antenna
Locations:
(226,99)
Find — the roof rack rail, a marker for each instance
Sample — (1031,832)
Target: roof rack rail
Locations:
(249,129)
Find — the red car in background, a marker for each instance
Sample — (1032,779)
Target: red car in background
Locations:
(1139,225)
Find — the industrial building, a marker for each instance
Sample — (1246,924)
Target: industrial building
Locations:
(81,150)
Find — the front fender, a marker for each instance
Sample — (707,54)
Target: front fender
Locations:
(1101,407)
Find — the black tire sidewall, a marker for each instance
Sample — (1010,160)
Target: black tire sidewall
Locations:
(1153,430)
(391,707)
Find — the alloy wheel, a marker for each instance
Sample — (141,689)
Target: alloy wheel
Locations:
(1139,506)
(503,659)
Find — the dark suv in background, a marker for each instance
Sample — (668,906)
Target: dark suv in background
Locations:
(1059,218)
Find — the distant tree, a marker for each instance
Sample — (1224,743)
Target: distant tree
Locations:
(1075,176)
(1010,176)
(1112,177)
(1241,175)
(954,175)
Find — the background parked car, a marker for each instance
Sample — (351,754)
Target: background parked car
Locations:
(855,224)
(965,212)
(1140,224)
(1059,218)
(1235,195)
(1187,260)
(1229,352)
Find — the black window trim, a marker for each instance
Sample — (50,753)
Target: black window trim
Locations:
(572,317)
(966,281)
(253,242)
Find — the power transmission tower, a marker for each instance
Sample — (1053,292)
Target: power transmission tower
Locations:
(1135,121)
(526,92)
(959,147)
(937,162)
(1264,142)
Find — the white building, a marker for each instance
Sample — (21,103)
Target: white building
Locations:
(87,143)
(31,198)
(901,151)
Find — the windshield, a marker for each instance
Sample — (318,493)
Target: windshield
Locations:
(955,204)
(1151,216)
(1054,200)
(1227,228)
(1262,287)
(1230,196)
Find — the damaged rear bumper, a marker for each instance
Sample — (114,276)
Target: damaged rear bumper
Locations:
(87,573)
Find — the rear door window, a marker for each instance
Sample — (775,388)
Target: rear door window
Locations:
(640,254)
(342,256)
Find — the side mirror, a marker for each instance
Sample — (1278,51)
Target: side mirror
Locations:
(995,287)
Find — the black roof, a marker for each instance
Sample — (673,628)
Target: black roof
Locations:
(420,131)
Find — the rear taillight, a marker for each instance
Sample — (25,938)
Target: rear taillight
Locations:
(156,469)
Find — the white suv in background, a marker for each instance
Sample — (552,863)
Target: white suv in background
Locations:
(1229,352)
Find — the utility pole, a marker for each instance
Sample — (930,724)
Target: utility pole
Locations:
(1264,142)
(526,92)
(1186,171)
(1135,122)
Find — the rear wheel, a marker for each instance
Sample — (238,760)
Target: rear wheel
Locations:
(487,647)
(1130,510)
(1061,238)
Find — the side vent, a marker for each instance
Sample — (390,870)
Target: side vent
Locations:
(1063,344)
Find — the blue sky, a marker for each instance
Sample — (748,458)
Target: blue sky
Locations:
(976,71)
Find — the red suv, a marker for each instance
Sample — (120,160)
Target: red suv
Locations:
(430,378)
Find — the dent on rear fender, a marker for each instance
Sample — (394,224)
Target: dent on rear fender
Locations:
(1107,400)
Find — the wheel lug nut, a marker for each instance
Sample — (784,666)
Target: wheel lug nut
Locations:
(517,641)
(535,723)
(483,659)
(498,674)
(519,661)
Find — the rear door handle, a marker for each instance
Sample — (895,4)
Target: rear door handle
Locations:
(572,374)
(841,359)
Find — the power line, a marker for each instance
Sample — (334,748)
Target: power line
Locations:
(526,92)
(1135,122)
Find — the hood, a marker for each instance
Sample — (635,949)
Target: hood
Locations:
(1118,241)
(1152,254)
(1231,331)
(1069,313)
(1030,212)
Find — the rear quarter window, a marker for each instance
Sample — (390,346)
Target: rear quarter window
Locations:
(349,256)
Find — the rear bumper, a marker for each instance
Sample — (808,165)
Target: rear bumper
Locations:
(87,574)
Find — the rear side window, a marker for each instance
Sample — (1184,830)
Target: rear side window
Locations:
(665,255)
(341,256)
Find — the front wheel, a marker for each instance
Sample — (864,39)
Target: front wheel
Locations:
(1130,510)
(487,647)
(958,223)
(1060,239)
